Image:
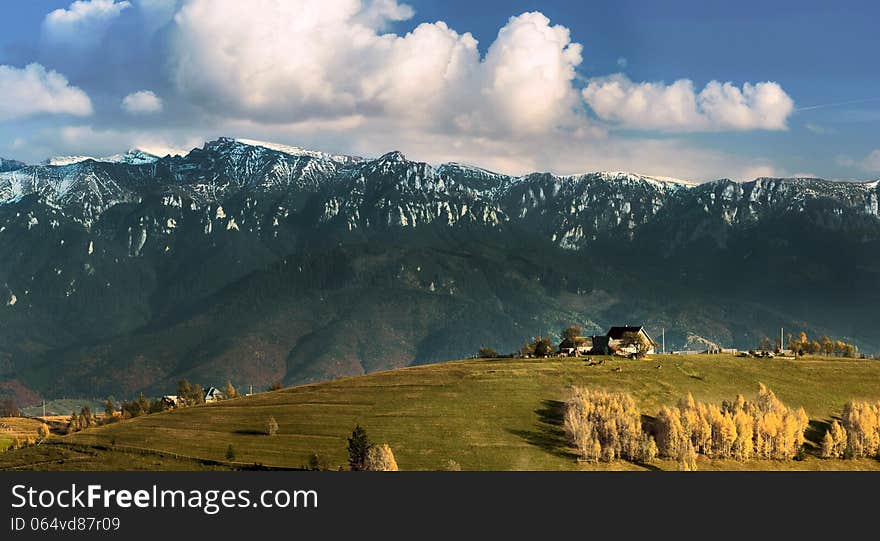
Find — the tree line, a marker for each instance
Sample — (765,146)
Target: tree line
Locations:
(607,425)
(859,434)
(802,345)
(763,428)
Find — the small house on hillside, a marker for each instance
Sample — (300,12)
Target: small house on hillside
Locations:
(213,394)
(625,340)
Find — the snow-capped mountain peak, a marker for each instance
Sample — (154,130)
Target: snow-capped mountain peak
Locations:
(653,179)
(134,156)
(298,151)
(57,161)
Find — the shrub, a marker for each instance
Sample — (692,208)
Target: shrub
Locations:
(271,426)
(315,463)
(230,453)
(380,458)
(451,465)
(487,353)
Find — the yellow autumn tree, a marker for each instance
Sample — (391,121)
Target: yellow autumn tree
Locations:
(603,425)
(763,428)
(861,420)
(380,458)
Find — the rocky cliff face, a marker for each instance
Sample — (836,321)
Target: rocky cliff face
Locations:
(258,262)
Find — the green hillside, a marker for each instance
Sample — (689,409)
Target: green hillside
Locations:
(483,414)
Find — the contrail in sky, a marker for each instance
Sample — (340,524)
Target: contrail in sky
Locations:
(836,104)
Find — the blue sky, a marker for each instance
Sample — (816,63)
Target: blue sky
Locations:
(622,85)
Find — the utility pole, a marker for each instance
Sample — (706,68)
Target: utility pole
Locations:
(663,338)
(44,409)
(781,334)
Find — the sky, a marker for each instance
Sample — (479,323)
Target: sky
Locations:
(697,90)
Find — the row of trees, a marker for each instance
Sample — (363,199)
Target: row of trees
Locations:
(764,428)
(860,430)
(606,426)
(802,345)
(82,420)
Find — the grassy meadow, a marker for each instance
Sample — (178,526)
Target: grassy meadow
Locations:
(495,414)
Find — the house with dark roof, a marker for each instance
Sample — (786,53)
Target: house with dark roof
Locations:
(624,340)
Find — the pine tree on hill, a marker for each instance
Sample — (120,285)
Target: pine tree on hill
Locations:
(358,449)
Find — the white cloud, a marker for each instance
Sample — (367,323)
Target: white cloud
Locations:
(310,59)
(528,74)
(378,13)
(34,90)
(326,74)
(678,107)
(83,23)
(622,62)
(142,102)
(104,142)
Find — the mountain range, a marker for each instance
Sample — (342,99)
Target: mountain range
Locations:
(265,263)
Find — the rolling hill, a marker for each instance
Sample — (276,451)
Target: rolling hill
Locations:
(500,414)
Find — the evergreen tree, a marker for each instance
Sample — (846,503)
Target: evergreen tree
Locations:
(230,453)
(358,449)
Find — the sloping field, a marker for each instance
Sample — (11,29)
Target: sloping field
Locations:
(484,414)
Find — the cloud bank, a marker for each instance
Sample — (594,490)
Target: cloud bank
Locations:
(678,107)
(332,75)
(34,90)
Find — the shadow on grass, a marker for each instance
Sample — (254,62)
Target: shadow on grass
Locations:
(250,432)
(816,431)
(549,434)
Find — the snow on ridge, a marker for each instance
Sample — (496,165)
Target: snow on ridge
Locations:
(134,156)
(66,160)
(471,167)
(298,151)
(873,185)
(660,181)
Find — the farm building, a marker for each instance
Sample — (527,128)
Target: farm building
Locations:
(581,345)
(213,394)
(624,340)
